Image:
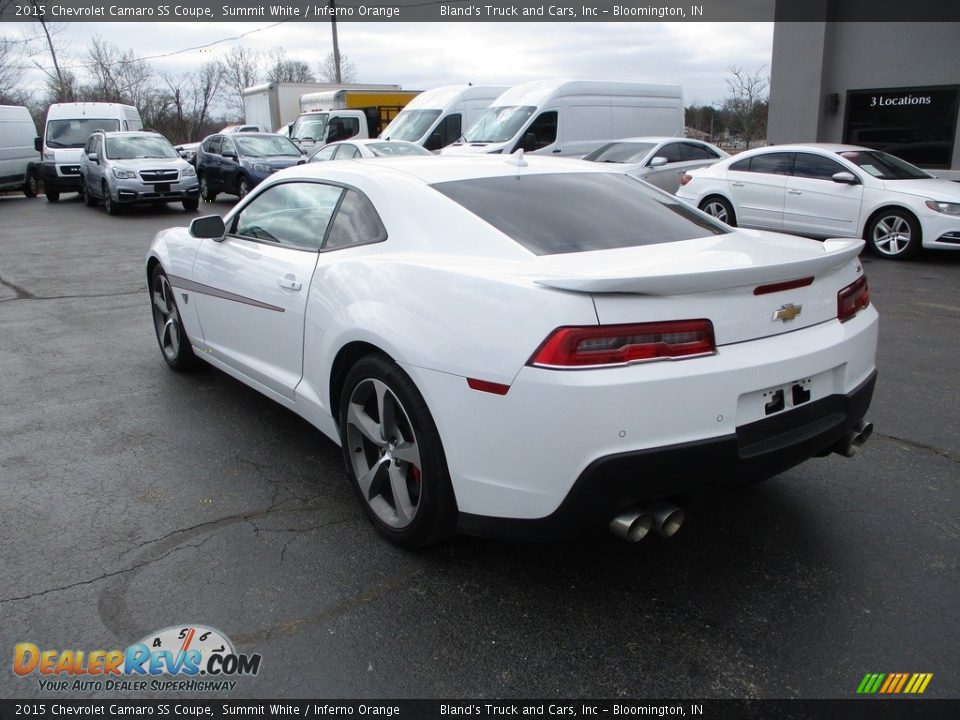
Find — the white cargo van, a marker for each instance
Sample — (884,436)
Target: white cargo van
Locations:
(68,127)
(436,118)
(18,156)
(572,117)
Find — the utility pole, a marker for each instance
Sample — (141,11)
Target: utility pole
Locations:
(336,45)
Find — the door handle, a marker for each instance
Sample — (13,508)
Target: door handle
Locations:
(794,192)
(737,184)
(557,150)
(290,283)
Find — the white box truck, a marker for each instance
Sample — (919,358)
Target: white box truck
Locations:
(19,158)
(572,117)
(277,105)
(66,132)
(436,118)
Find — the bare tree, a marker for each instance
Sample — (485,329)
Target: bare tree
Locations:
(747,102)
(282,69)
(240,69)
(11,73)
(118,75)
(188,102)
(327,70)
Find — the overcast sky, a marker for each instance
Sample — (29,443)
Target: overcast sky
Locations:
(419,56)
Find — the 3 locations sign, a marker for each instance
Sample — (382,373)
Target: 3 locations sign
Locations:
(917,124)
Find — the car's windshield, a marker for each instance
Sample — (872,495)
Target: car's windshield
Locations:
(499,124)
(250,146)
(74,133)
(391,149)
(313,126)
(143,146)
(559,213)
(410,125)
(883,166)
(621,152)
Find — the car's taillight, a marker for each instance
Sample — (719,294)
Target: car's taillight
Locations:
(852,299)
(593,345)
(684,179)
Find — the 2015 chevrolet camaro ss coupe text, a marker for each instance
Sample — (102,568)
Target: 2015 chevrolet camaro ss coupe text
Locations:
(517,347)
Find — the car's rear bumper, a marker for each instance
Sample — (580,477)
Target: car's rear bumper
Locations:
(756,451)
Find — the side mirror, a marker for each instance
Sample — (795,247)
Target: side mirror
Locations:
(38,144)
(845,178)
(208,227)
(529,142)
(229,154)
(658,161)
(93,157)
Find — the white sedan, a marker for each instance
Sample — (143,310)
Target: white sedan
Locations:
(825,190)
(367,148)
(519,347)
(661,161)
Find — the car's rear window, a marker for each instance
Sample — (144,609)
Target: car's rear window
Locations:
(576,212)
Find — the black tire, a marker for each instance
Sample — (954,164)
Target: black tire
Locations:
(52,195)
(413,433)
(719,208)
(109,204)
(243,186)
(31,184)
(191,204)
(893,234)
(171,335)
(205,192)
(88,199)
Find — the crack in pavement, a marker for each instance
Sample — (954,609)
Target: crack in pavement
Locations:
(952,457)
(105,576)
(23,294)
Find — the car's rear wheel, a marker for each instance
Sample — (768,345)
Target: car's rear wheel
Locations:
(894,234)
(393,452)
(720,209)
(171,335)
(205,192)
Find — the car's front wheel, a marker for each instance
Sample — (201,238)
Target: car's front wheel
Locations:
(393,451)
(88,199)
(720,209)
(243,186)
(190,204)
(52,195)
(893,235)
(31,184)
(205,192)
(171,335)
(109,204)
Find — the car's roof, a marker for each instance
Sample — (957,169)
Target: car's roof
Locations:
(800,147)
(129,133)
(654,139)
(370,141)
(446,168)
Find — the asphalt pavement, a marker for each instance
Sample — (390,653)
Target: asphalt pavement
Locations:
(133,498)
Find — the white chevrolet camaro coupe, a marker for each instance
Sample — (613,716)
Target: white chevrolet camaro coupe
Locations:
(824,190)
(521,347)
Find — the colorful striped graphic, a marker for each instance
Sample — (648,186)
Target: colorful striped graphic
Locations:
(894,683)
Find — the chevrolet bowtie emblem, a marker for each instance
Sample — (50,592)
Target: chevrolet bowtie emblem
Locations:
(787,312)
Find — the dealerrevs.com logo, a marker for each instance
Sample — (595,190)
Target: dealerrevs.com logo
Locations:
(196,657)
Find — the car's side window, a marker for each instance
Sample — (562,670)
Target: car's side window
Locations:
(670,151)
(88,148)
(212,145)
(544,128)
(227,146)
(293,213)
(347,152)
(817,167)
(741,165)
(772,163)
(695,151)
(356,223)
(325,153)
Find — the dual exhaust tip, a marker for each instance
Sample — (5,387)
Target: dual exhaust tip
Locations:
(633,524)
(851,444)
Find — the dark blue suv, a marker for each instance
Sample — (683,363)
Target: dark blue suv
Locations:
(235,163)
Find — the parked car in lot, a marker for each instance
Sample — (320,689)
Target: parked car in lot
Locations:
(367,148)
(824,190)
(661,161)
(188,151)
(124,168)
(235,163)
(19,158)
(582,350)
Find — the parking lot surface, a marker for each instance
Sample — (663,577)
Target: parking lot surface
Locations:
(133,498)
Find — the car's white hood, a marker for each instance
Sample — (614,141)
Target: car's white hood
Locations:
(932,188)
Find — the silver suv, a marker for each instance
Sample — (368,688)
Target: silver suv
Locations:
(122,168)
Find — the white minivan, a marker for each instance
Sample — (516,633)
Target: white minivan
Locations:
(68,127)
(572,117)
(18,158)
(436,118)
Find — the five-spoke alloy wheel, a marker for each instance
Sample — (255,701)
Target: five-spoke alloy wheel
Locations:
(720,209)
(173,340)
(894,235)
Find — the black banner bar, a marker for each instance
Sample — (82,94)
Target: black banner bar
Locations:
(867,708)
(480,11)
